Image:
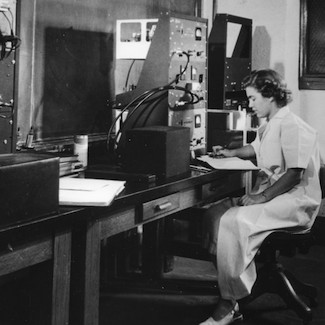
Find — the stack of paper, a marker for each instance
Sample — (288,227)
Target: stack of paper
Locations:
(228,163)
(70,166)
(88,192)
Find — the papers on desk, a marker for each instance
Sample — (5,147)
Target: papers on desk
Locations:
(88,192)
(228,163)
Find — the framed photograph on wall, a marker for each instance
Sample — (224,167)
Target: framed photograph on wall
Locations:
(312,44)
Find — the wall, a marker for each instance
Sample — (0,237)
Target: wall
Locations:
(275,42)
(66,71)
(276,45)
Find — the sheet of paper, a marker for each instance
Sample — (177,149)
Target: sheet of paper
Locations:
(83,184)
(228,163)
(88,192)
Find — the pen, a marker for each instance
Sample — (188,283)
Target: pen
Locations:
(216,149)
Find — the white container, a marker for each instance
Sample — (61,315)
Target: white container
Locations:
(80,148)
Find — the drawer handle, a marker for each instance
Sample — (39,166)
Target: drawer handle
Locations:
(215,188)
(163,206)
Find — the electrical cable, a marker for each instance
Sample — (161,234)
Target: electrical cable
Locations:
(185,68)
(12,17)
(147,94)
(144,97)
(7,20)
(120,115)
(151,93)
(154,105)
(128,74)
(143,94)
(152,102)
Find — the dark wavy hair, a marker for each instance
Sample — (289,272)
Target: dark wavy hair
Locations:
(270,84)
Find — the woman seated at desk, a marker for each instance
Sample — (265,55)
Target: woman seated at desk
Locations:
(286,194)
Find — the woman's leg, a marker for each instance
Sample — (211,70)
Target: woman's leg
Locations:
(223,308)
(224,312)
(211,221)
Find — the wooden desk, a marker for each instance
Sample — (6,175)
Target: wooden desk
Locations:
(72,238)
(33,242)
(132,208)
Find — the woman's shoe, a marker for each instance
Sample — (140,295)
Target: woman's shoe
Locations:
(233,316)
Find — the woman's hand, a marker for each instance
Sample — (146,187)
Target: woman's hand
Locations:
(284,184)
(251,199)
(221,151)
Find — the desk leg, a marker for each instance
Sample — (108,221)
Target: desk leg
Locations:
(85,275)
(152,259)
(61,278)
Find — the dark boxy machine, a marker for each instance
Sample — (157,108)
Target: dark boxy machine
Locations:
(29,187)
(160,150)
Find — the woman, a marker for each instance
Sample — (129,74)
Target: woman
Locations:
(286,194)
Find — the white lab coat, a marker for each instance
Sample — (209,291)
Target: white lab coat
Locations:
(284,142)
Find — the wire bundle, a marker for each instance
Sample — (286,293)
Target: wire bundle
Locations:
(149,98)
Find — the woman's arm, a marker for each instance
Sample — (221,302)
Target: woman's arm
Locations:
(289,180)
(243,152)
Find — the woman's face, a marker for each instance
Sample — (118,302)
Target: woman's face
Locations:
(261,106)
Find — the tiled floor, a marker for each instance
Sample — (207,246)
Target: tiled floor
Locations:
(129,306)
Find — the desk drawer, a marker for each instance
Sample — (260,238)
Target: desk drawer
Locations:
(160,206)
(222,187)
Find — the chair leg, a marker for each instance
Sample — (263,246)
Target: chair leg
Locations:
(302,288)
(289,295)
(263,283)
(272,278)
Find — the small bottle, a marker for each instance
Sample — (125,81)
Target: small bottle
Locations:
(30,138)
(18,140)
(80,148)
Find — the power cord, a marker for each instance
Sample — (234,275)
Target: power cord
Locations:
(144,98)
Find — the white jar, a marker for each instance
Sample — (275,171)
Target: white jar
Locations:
(80,148)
